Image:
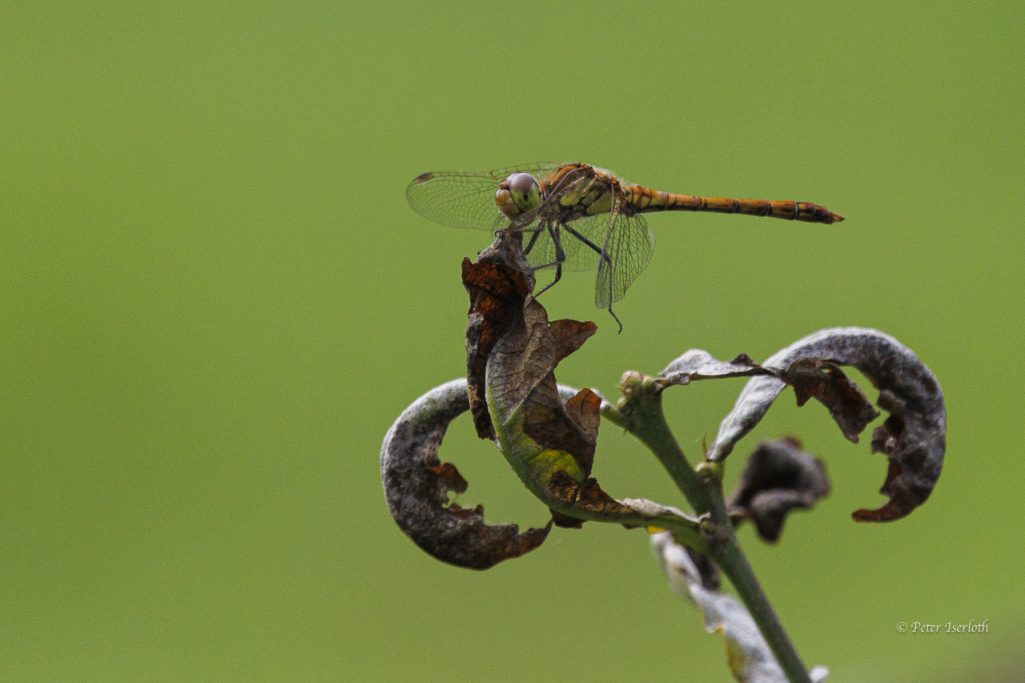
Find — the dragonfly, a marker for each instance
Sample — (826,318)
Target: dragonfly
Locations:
(578,217)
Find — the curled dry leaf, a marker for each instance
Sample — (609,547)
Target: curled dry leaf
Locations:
(748,655)
(416,487)
(810,377)
(549,444)
(540,436)
(914,435)
(777,478)
(514,370)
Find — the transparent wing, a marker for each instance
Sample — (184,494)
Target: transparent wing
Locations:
(629,243)
(580,255)
(464,200)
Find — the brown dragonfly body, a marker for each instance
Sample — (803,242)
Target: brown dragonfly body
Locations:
(592,191)
(547,202)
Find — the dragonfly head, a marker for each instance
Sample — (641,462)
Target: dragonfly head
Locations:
(518,194)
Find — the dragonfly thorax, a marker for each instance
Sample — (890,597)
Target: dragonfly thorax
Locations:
(518,194)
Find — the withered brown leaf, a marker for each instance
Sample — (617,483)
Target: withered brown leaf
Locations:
(777,478)
(497,290)
(524,395)
(825,382)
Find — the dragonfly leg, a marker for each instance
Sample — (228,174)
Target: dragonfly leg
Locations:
(598,250)
(558,276)
(560,256)
(603,256)
(531,242)
(616,318)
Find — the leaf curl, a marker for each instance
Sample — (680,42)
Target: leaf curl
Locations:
(913,437)
(416,486)
(778,477)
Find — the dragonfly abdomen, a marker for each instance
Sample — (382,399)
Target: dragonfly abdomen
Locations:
(645,199)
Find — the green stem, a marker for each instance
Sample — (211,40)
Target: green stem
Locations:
(643,417)
(641,414)
(734,564)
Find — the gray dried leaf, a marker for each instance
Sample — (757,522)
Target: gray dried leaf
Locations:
(913,437)
(810,378)
(748,655)
(416,487)
(699,364)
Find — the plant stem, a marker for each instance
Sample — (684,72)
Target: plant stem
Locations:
(734,564)
(641,414)
(647,422)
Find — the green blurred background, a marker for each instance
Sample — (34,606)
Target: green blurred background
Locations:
(215,301)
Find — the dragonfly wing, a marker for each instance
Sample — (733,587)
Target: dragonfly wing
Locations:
(582,241)
(459,200)
(464,200)
(578,254)
(629,243)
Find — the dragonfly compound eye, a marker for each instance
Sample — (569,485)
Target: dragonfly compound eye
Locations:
(525,192)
